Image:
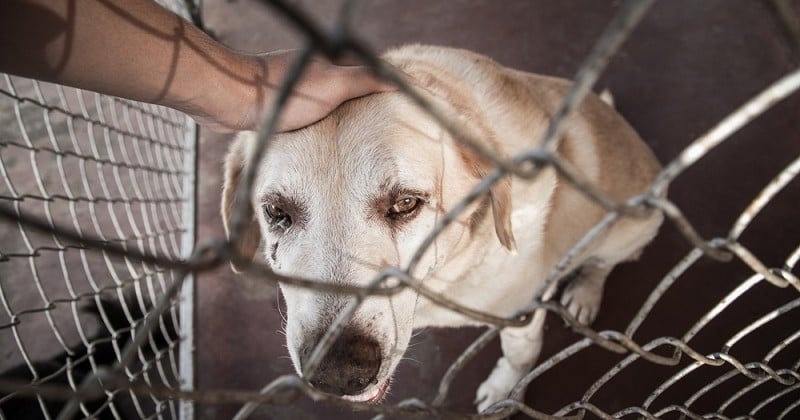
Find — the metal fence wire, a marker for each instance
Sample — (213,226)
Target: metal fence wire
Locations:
(100,191)
(122,173)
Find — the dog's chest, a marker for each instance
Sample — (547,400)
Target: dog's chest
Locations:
(496,282)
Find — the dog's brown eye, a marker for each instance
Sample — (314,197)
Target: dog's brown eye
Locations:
(276,217)
(403,207)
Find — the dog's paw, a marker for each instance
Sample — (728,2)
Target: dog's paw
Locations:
(582,299)
(498,385)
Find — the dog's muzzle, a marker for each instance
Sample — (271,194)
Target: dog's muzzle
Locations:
(350,366)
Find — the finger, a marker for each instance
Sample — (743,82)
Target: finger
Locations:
(349,59)
(360,80)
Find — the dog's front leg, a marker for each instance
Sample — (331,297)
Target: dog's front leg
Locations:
(521,347)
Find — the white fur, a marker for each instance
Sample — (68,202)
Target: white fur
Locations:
(340,166)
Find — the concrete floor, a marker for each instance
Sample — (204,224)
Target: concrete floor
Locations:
(687,65)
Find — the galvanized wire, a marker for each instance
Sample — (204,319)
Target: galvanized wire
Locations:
(145,143)
(99,174)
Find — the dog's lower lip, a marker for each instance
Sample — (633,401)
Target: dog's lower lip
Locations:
(372,396)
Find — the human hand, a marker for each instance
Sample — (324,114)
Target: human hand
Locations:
(322,87)
(138,50)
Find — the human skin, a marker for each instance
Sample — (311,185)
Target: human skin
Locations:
(138,50)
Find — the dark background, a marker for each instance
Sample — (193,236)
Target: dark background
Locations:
(685,67)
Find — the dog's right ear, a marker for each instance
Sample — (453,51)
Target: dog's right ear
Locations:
(235,162)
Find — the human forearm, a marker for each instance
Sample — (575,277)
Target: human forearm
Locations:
(129,48)
(137,50)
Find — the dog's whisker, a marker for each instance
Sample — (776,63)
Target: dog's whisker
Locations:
(280,311)
(439,208)
(410,359)
(417,333)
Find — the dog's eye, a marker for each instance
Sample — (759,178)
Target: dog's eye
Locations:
(276,217)
(404,207)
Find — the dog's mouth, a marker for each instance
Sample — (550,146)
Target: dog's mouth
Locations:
(373,395)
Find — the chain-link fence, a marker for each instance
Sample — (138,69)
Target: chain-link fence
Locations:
(101,190)
(121,173)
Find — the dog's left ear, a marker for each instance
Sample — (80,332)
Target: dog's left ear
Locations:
(499,195)
(453,91)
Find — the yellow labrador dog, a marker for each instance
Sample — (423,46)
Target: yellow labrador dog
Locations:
(358,191)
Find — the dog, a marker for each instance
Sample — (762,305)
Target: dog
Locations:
(357,192)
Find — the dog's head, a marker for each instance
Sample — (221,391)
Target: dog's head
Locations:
(344,198)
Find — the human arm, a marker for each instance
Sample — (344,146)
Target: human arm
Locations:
(136,49)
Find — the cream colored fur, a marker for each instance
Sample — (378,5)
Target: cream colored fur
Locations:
(338,173)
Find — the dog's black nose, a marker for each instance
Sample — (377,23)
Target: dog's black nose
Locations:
(350,366)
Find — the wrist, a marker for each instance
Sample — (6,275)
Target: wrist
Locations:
(233,94)
(215,85)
